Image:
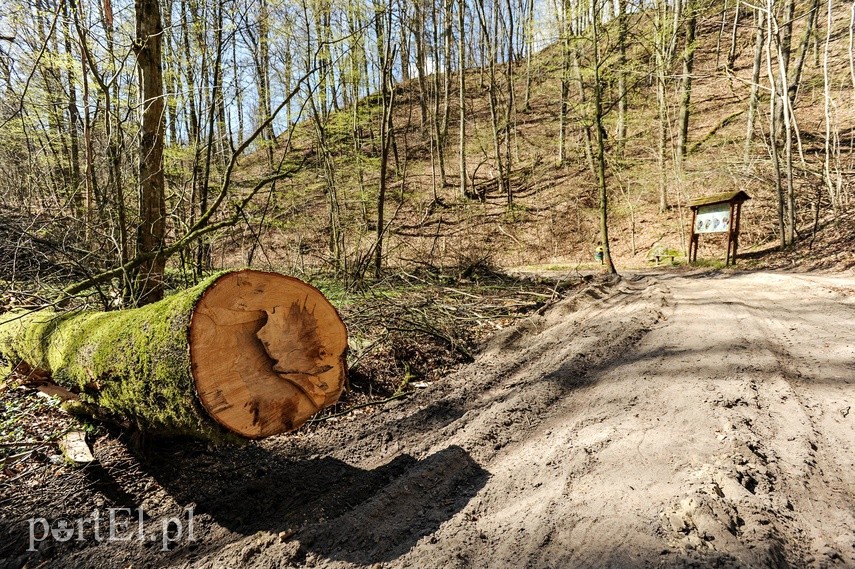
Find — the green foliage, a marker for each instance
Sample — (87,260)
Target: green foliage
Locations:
(710,263)
(23,420)
(13,414)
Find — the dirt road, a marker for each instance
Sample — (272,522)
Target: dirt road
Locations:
(655,421)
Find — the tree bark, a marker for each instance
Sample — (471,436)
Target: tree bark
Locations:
(203,253)
(510,110)
(851,49)
(73,118)
(600,150)
(421,56)
(565,82)
(796,78)
(830,147)
(773,126)
(461,94)
(665,38)
(622,61)
(246,354)
(661,139)
(388,98)
(436,125)
(753,99)
(686,86)
(151,233)
(492,89)
(528,38)
(731,53)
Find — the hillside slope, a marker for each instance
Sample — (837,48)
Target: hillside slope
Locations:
(553,219)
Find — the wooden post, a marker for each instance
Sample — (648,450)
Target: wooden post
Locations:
(693,242)
(735,226)
(727,256)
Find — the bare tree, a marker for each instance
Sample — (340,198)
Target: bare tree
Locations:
(461,94)
(151,233)
(688,59)
(387,95)
(753,99)
(599,131)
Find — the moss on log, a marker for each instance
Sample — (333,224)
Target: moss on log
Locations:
(244,353)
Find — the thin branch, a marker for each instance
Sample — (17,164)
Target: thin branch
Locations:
(202,227)
(35,65)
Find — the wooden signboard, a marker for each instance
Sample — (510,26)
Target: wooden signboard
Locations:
(718,213)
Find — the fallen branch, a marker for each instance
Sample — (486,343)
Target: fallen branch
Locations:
(349,410)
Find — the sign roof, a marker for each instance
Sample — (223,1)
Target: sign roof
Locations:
(724,197)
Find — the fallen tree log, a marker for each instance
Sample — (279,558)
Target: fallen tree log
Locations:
(245,353)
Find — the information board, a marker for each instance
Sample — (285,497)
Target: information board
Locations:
(713,218)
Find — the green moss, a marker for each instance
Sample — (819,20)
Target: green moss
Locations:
(710,263)
(134,364)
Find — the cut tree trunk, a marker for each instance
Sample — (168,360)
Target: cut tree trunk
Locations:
(245,353)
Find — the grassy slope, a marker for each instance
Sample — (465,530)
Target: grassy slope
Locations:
(553,221)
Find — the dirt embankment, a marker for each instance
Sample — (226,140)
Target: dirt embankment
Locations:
(656,421)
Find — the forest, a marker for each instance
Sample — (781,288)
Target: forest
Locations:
(289,266)
(147,139)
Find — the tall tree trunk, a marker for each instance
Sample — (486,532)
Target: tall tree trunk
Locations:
(773,126)
(387,102)
(406,42)
(114,134)
(239,89)
(731,53)
(588,142)
(784,35)
(491,39)
(152,228)
(599,129)
(753,99)
(783,38)
(510,106)
(564,18)
(852,50)
(529,48)
(461,94)
(264,77)
(190,102)
(91,192)
(622,91)
(804,45)
(829,145)
(438,140)
(662,46)
(421,57)
(93,199)
(203,253)
(448,7)
(171,76)
(73,118)
(686,86)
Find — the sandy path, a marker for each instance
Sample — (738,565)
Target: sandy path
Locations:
(654,421)
(659,422)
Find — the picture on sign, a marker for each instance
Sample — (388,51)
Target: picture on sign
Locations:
(713,218)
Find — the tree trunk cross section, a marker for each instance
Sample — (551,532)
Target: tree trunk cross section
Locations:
(267,352)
